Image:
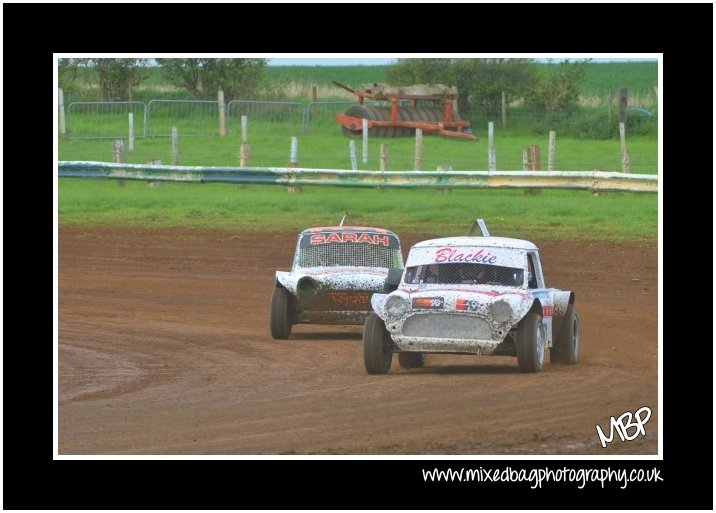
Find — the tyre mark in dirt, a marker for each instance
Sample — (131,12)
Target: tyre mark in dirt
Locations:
(165,349)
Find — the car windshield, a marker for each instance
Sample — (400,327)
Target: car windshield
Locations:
(350,254)
(465,273)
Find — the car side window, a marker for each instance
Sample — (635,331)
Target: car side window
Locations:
(531,276)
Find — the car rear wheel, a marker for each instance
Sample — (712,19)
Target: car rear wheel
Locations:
(530,343)
(281,313)
(412,360)
(377,346)
(566,347)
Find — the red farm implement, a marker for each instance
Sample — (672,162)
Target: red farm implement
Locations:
(404,114)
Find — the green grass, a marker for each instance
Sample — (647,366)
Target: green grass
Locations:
(548,215)
(551,214)
(325,147)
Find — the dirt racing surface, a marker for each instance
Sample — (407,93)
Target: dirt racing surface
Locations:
(164,348)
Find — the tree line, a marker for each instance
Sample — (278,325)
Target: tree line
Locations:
(480,82)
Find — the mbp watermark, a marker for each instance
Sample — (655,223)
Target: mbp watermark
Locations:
(623,423)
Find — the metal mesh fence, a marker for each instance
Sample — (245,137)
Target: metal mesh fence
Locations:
(104,120)
(273,117)
(191,117)
(321,144)
(466,274)
(317,115)
(349,254)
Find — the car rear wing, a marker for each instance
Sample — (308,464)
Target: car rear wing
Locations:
(483,228)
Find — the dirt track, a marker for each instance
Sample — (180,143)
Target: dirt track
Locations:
(164,348)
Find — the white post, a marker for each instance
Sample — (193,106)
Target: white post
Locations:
(418,148)
(491,157)
(131,131)
(352,153)
(383,157)
(293,162)
(551,149)
(175,146)
(625,154)
(222,117)
(244,129)
(293,158)
(61,101)
(365,141)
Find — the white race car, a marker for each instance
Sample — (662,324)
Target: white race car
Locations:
(336,270)
(478,295)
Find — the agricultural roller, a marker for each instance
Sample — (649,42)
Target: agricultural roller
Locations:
(401,120)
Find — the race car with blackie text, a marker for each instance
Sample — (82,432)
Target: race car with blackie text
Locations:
(472,295)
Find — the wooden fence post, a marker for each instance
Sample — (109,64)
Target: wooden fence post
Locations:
(175,146)
(61,106)
(384,157)
(222,114)
(551,150)
(244,154)
(418,148)
(365,141)
(504,110)
(531,162)
(626,160)
(118,156)
(491,157)
(531,158)
(131,131)
(623,105)
(118,151)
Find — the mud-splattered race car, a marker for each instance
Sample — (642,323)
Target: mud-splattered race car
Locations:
(336,270)
(478,295)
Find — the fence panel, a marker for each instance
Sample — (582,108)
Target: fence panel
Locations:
(191,117)
(320,114)
(264,117)
(104,120)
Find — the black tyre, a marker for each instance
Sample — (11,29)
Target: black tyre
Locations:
(281,324)
(377,346)
(412,360)
(566,346)
(530,343)
(359,111)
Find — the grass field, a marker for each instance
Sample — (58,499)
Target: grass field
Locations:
(327,148)
(548,215)
(551,214)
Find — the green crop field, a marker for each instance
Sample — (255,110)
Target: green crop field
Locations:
(604,77)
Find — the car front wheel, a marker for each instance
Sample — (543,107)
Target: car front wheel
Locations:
(566,346)
(377,346)
(281,313)
(530,343)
